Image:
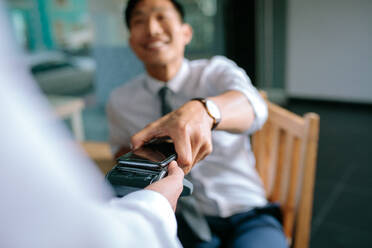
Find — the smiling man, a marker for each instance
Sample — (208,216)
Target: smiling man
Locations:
(158,37)
(209,108)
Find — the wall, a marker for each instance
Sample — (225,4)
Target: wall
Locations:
(116,63)
(62,19)
(270,42)
(47,23)
(32,37)
(329,50)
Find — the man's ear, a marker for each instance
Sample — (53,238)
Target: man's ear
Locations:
(187,33)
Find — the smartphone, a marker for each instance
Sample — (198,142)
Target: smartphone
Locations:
(139,168)
(154,155)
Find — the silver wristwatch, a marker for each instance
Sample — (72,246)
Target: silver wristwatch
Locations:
(212,110)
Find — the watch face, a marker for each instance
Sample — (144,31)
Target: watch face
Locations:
(213,109)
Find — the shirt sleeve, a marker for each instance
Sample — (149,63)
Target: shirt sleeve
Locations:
(55,196)
(51,194)
(154,211)
(223,75)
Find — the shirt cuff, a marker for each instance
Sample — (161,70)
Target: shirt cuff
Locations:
(259,107)
(152,203)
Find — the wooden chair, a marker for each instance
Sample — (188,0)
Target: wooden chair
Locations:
(285,150)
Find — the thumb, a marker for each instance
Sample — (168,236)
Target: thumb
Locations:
(174,170)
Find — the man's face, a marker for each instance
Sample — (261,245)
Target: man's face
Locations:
(157,34)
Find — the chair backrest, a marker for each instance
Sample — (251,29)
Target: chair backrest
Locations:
(285,150)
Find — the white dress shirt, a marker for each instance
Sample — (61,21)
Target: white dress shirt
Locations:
(51,194)
(226,181)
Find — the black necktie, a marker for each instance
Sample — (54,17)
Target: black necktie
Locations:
(165,95)
(187,206)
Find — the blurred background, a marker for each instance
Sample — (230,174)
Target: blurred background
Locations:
(310,56)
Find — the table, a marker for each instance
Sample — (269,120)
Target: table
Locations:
(70,107)
(100,153)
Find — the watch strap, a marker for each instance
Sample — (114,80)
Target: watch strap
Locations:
(204,102)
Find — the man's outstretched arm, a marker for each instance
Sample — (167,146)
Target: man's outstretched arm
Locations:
(190,126)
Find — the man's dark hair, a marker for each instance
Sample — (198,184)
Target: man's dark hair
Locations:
(132,4)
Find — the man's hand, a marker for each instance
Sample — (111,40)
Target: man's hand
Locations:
(171,186)
(190,129)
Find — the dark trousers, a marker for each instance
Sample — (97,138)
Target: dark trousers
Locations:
(256,228)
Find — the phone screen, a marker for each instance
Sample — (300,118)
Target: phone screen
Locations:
(153,154)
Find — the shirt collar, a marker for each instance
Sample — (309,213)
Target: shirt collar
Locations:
(174,84)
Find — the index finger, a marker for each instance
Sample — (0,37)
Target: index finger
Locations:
(148,133)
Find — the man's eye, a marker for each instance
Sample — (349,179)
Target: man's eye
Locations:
(137,21)
(162,17)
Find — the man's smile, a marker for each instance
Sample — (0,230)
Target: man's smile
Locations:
(155,44)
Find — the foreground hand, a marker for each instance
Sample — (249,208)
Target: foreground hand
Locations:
(190,129)
(171,186)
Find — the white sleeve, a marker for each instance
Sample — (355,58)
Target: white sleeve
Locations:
(223,75)
(51,194)
(154,212)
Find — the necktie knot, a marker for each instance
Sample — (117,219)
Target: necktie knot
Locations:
(165,95)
